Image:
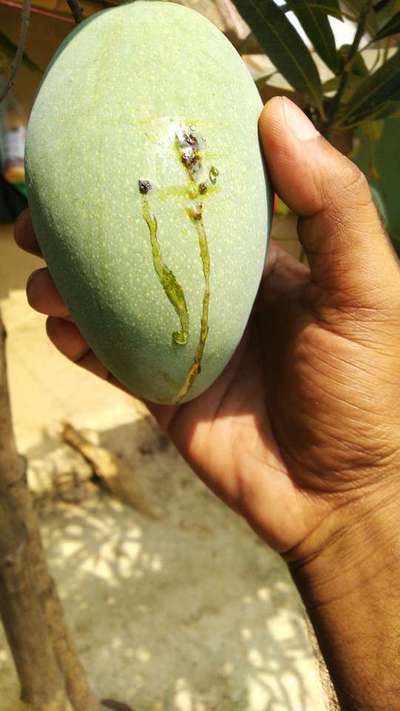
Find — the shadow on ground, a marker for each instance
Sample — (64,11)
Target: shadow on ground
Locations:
(188,611)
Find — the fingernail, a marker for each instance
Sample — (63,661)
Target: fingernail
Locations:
(298,122)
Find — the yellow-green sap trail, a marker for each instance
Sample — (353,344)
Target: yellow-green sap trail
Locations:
(188,146)
(167,278)
(195,368)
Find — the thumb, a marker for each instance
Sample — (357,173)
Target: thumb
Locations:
(351,259)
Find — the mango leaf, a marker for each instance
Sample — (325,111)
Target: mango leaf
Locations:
(383,5)
(330,85)
(261,81)
(283,45)
(316,25)
(8,49)
(249,45)
(390,108)
(356,7)
(373,129)
(353,83)
(396,243)
(357,65)
(390,28)
(357,71)
(330,7)
(379,201)
(267,90)
(384,9)
(376,89)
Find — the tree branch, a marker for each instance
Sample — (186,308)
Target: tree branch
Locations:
(25,19)
(76,10)
(38,11)
(51,676)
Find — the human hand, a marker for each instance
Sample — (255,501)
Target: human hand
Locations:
(304,422)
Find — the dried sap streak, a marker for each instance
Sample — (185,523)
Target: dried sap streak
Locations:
(188,148)
(167,278)
(195,368)
(201,184)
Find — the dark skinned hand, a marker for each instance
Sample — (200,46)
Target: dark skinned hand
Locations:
(302,426)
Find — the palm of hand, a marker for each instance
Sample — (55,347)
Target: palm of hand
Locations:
(306,416)
(278,435)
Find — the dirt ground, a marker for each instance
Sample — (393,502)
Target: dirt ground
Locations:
(174,605)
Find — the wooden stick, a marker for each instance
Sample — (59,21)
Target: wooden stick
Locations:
(76,10)
(117,477)
(25,19)
(51,676)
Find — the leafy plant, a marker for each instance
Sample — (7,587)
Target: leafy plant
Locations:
(355,95)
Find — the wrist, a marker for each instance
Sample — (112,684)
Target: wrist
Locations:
(353,547)
(350,586)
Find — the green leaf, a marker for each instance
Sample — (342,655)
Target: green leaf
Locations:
(283,45)
(8,49)
(330,7)
(316,25)
(355,7)
(373,92)
(396,243)
(382,5)
(358,70)
(353,83)
(389,108)
(357,66)
(261,81)
(373,129)
(331,85)
(390,28)
(380,203)
(249,45)
(384,9)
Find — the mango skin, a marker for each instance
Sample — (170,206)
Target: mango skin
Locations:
(106,116)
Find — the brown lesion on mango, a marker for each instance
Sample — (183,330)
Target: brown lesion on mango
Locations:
(167,278)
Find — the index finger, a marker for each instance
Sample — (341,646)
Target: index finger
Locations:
(24,234)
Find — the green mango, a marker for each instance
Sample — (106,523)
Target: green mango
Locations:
(148,193)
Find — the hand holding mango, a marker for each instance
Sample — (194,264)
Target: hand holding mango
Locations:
(189,227)
(300,431)
(300,413)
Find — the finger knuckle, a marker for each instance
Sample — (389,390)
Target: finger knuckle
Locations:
(354,184)
(346,192)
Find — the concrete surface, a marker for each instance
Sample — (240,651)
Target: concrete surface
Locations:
(189,612)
